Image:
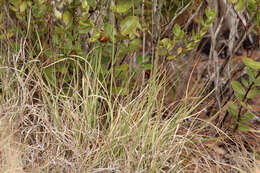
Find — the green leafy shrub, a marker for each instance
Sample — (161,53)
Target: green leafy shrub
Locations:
(244,90)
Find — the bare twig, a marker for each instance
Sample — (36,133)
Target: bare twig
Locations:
(195,14)
(170,24)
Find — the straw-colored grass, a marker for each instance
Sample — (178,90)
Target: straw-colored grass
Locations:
(88,129)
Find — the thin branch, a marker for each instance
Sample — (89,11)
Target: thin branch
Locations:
(170,24)
(192,17)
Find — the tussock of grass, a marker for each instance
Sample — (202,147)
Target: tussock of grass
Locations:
(86,129)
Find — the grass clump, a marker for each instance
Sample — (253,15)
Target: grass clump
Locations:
(87,92)
(85,129)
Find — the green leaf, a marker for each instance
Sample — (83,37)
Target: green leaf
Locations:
(239,96)
(244,82)
(257,82)
(140,61)
(251,73)
(86,22)
(110,31)
(62,68)
(146,66)
(171,57)
(243,127)
(179,50)
(248,116)
(164,42)
(23,6)
(92,3)
(253,93)
(233,109)
(245,105)
(162,51)
(123,67)
(57,14)
(94,37)
(240,5)
(50,75)
(14,6)
(84,29)
(203,22)
(251,63)
(122,6)
(69,1)
(67,18)
(195,36)
(210,14)
(39,10)
(203,31)
(105,59)
(178,33)
(84,4)
(135,44)
(238,88)
(252,6)
(147,59)
(167,43)
(176,29)
(191,46)
(129,25)
(7,36)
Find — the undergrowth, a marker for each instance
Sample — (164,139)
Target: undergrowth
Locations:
(85,129)
(82,90)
